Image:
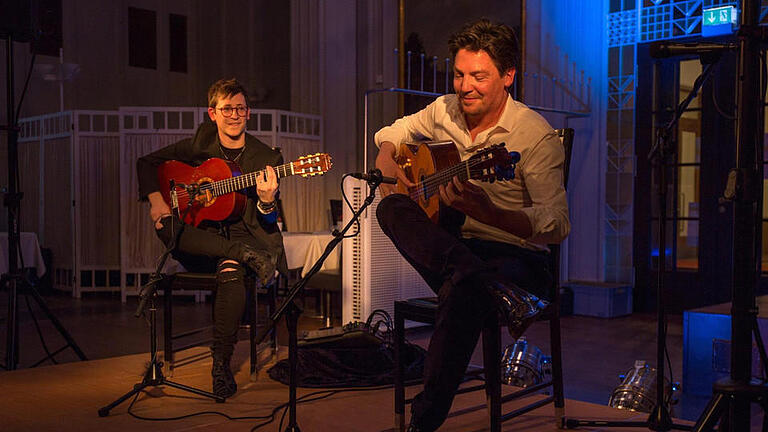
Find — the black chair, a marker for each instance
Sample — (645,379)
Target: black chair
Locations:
(205,282)
(326,285)
(424,310)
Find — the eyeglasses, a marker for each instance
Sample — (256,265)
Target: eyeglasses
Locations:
(228,110)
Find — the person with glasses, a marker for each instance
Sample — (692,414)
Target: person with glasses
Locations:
(252,243)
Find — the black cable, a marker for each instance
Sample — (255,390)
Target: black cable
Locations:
(669,363)
(716,104)
(181,417)
(346,200)
(765,74)
(311,397)
(26,85)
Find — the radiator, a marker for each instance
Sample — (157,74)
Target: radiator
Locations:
(374,272)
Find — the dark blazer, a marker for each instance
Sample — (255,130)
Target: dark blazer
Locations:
(205,145)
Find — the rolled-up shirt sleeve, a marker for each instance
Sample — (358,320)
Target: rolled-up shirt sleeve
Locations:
(548,212)
(410,128)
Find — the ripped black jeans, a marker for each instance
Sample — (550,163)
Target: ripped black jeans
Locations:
(203,250)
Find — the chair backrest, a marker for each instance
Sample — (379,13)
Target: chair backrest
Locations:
(566,138)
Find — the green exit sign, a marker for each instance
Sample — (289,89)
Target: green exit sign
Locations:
(719,16)
(719,20)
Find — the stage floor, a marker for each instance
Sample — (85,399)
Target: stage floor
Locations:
(67,397)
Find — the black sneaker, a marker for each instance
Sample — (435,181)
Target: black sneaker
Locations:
(519,307)
(224,384)
(260,261)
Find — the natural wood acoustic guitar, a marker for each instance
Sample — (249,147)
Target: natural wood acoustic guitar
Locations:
(432,164)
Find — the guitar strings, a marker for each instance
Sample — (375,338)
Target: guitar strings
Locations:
(232,184)
(435,180)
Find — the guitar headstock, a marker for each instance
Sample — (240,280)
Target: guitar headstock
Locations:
(493,163)
(312,165)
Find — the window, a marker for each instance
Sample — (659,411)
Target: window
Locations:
(142,38)
(682,248)
(688,167)
(177,32)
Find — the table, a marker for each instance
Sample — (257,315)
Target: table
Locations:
(303,249)
(30,251)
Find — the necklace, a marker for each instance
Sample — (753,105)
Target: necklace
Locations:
(228,153)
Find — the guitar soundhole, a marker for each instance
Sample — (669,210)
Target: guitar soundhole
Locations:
(206,197)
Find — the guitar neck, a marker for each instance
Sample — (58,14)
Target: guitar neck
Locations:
(245,181)
(461,170)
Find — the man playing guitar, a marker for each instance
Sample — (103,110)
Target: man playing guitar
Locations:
(499,258)
(252,241)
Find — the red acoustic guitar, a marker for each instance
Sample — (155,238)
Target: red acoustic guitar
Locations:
(216,185)
(432,164)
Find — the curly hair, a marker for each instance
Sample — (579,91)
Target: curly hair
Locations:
(496,39)
(225,88)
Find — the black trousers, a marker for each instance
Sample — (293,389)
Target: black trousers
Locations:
(458,271)
(201,250)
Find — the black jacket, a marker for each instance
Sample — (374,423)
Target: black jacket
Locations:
(205,145)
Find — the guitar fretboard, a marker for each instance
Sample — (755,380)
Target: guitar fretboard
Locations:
(428,186)
(244,181)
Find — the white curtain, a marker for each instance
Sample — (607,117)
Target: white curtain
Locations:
(98,181)
(303,199)
(140,244)
(58,224)
(29,185)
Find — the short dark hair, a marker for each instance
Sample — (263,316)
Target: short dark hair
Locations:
(225,88)
(496,39)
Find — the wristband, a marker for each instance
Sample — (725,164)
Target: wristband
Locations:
(266,208)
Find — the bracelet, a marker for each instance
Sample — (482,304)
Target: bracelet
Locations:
(266,208)
(164,215)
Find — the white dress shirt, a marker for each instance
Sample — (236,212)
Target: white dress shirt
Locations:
(537,189)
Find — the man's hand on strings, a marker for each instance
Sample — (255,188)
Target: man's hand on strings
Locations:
(385,161)
(266,185)
(467,198)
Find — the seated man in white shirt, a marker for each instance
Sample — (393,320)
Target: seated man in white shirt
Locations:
(499,259)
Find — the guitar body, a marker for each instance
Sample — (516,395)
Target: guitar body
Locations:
(206,206)
(424,160)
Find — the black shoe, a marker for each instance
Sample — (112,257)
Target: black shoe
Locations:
(224,384)
(259,261)
(412,428)
(519,307)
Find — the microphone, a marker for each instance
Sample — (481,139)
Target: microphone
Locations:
(664,49)
(174,196)
(374,176)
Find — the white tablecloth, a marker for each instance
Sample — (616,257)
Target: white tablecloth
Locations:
(30,250)
(303,249)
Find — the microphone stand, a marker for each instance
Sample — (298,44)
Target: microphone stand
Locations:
(292,311)
(154,374)
(730,405)
(660,154)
